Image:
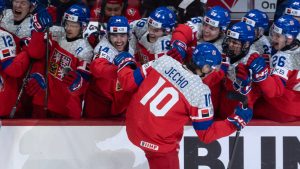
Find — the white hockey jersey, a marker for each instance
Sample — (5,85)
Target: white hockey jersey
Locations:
(262,45)
(22,30)
(104,49)
(283,62)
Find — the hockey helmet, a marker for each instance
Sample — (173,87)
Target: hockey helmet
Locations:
(217,17)
(293,8)
(286,25)
(162,17)
(118,24)
(206,54)
(257,19)
(77,13)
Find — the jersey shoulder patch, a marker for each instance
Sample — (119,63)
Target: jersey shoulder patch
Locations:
(7,45)
(105,50)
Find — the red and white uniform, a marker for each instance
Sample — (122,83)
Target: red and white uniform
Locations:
(19,31)
(22,30)
(281,90)
(104,96)
(166,97)
(138,28)
(221,84)
(190,32)
(147,51)
(75,55)
(12,66)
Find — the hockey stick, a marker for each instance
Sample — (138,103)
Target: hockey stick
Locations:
(25,80)
(244,100)
(46,73)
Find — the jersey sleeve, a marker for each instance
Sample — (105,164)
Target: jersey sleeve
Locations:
(85,56)
(183,33)
(213,78)
(188,32)
(274,85)
(12,64)
(206,128)
(131,79)
(7,46)
(18,65)
(102,68)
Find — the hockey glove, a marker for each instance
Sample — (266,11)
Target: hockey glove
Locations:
(224,67)
(242,81)
(73,80)
(178,50)
(52,10)
(35,84)
(259,69)
(241,117)
(41,21)
(124,59)
(92,28)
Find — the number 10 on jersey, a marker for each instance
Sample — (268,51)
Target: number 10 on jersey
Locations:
(159,96)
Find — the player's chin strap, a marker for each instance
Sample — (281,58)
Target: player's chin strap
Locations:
(292,46)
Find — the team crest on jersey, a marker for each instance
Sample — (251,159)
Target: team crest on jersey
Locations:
(58,62)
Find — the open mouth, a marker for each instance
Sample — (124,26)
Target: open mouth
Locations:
(17,12)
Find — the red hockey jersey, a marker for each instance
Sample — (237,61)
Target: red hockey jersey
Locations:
(167,97)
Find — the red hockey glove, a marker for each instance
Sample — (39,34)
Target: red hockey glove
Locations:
(241,117)
(178,51)
(73,80)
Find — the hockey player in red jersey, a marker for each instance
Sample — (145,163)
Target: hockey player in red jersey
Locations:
(12,67)
(212,29)
(104,96)
(68,69)
(167,95)
(281,88)
(151,36)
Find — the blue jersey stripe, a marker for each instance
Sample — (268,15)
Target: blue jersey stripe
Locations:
(138,77)
(204,125)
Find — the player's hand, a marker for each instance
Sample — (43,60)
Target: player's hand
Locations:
(242,75)
(92,33)
(92,28)
(241,117)
(35,84)
(178,50)
(52,10)
(259,69)
(41,20)
(124,59)
(242,82)
(73,80)
(224,67)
